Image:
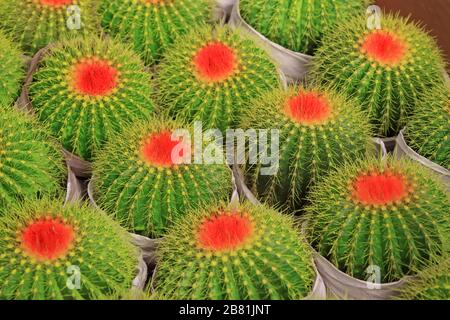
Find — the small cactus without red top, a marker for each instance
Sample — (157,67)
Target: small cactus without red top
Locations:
(31,163)
(387,214)
(297,24)
(37,23)
(252,252)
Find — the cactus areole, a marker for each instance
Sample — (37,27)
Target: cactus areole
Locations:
(47,239)
(156,1)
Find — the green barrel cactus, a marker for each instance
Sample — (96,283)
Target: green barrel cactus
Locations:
(318,129)
(211,76)
(387,215)
(298,25)
(87,88)
(387,70)
(153,25)
(54,251)
(432,283)
(146,179)
(428,129)
(31,164)
(11,70)
(133,294)
(36,23)
(250,252)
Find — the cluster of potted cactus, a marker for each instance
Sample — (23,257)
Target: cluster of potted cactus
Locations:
(111,85)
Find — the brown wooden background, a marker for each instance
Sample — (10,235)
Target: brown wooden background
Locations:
(434,14)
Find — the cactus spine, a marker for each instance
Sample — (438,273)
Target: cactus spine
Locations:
(11,69)
(432,283)
(252,252)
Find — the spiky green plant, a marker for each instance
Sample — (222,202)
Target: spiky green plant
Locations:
(297,24)
(88,88)
(11,70)
(211,76)
(428,129)
(129,294)
(318,128)
(250,252)
(31,164)
(139,179)
(36,23)
(388,214)
(54,251)
(152,25)
(387,70)
(432,283)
